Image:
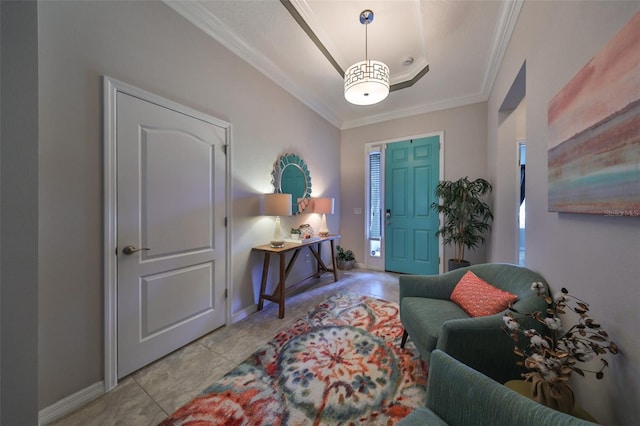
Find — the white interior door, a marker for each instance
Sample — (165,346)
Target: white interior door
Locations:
(171,281)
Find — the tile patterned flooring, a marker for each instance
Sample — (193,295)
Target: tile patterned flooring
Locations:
(150,394)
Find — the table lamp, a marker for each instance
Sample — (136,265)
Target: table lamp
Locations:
(277,205)
(324,206)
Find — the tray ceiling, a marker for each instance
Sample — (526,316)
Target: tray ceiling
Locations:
(461,44)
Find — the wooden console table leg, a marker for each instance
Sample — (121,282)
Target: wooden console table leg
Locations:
(263,283)
(283,277)
(333,262)
(318,260)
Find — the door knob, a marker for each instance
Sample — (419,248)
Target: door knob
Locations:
(129,250)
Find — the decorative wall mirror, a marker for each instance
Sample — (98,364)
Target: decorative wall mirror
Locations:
(291,176)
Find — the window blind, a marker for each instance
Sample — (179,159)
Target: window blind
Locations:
(375,196)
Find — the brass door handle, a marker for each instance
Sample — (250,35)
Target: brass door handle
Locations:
(129,250)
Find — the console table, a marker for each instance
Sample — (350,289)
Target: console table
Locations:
(314,245)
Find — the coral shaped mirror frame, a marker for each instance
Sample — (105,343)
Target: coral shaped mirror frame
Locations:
(291,176)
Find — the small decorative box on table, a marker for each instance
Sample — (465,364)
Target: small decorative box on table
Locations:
(314,245)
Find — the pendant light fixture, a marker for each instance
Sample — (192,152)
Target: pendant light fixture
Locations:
(366,82)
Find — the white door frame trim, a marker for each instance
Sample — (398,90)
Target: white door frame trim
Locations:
(111,87)
(368,146)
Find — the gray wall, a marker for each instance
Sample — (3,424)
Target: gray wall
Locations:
(465,130)
(148,45)
(595,257)
(19,212)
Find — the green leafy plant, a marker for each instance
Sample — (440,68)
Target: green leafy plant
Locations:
(295,231)
(344,255)
(466,216)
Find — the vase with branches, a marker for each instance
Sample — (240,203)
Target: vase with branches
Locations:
(553,355)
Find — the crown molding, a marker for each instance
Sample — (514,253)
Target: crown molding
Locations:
(507,19)
(196,13)
(417,110)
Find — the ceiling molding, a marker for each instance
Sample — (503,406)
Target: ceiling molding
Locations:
(408,112)
(302,22)
(196,13)
(408,78)
(507,19)
(411,82)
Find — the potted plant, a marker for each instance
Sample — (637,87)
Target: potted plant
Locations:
(345,259)
(295,233)
(466,216)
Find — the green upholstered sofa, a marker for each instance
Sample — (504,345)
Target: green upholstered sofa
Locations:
(460,395)
(433,321)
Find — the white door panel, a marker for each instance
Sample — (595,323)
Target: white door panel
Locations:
(171,298)
(188,224)
(171,201)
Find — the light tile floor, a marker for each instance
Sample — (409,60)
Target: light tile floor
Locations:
(150,394)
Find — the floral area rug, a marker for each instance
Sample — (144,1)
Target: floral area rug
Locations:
(341,365)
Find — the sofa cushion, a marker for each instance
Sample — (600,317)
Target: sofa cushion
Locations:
(478,298)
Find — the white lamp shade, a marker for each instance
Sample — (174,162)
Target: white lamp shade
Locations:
(277,204)
(323,205)
(366,82)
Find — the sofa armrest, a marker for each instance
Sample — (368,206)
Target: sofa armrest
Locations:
(430,286)
(460,395)
(482,344)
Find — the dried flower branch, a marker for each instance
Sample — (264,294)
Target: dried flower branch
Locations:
(555,354)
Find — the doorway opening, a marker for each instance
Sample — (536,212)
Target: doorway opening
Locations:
(400,225)
(508,233)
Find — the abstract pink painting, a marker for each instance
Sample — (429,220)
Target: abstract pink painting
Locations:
(594,133)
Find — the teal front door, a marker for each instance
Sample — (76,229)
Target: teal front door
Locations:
(411,175)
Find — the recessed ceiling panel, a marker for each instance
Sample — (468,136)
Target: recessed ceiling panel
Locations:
(462,43)
(340,31)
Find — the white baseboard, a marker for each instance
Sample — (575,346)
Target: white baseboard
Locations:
(242,314)
(70,403)
(368,268)
(78,399)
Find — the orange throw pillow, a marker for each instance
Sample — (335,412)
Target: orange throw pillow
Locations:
(478,298)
